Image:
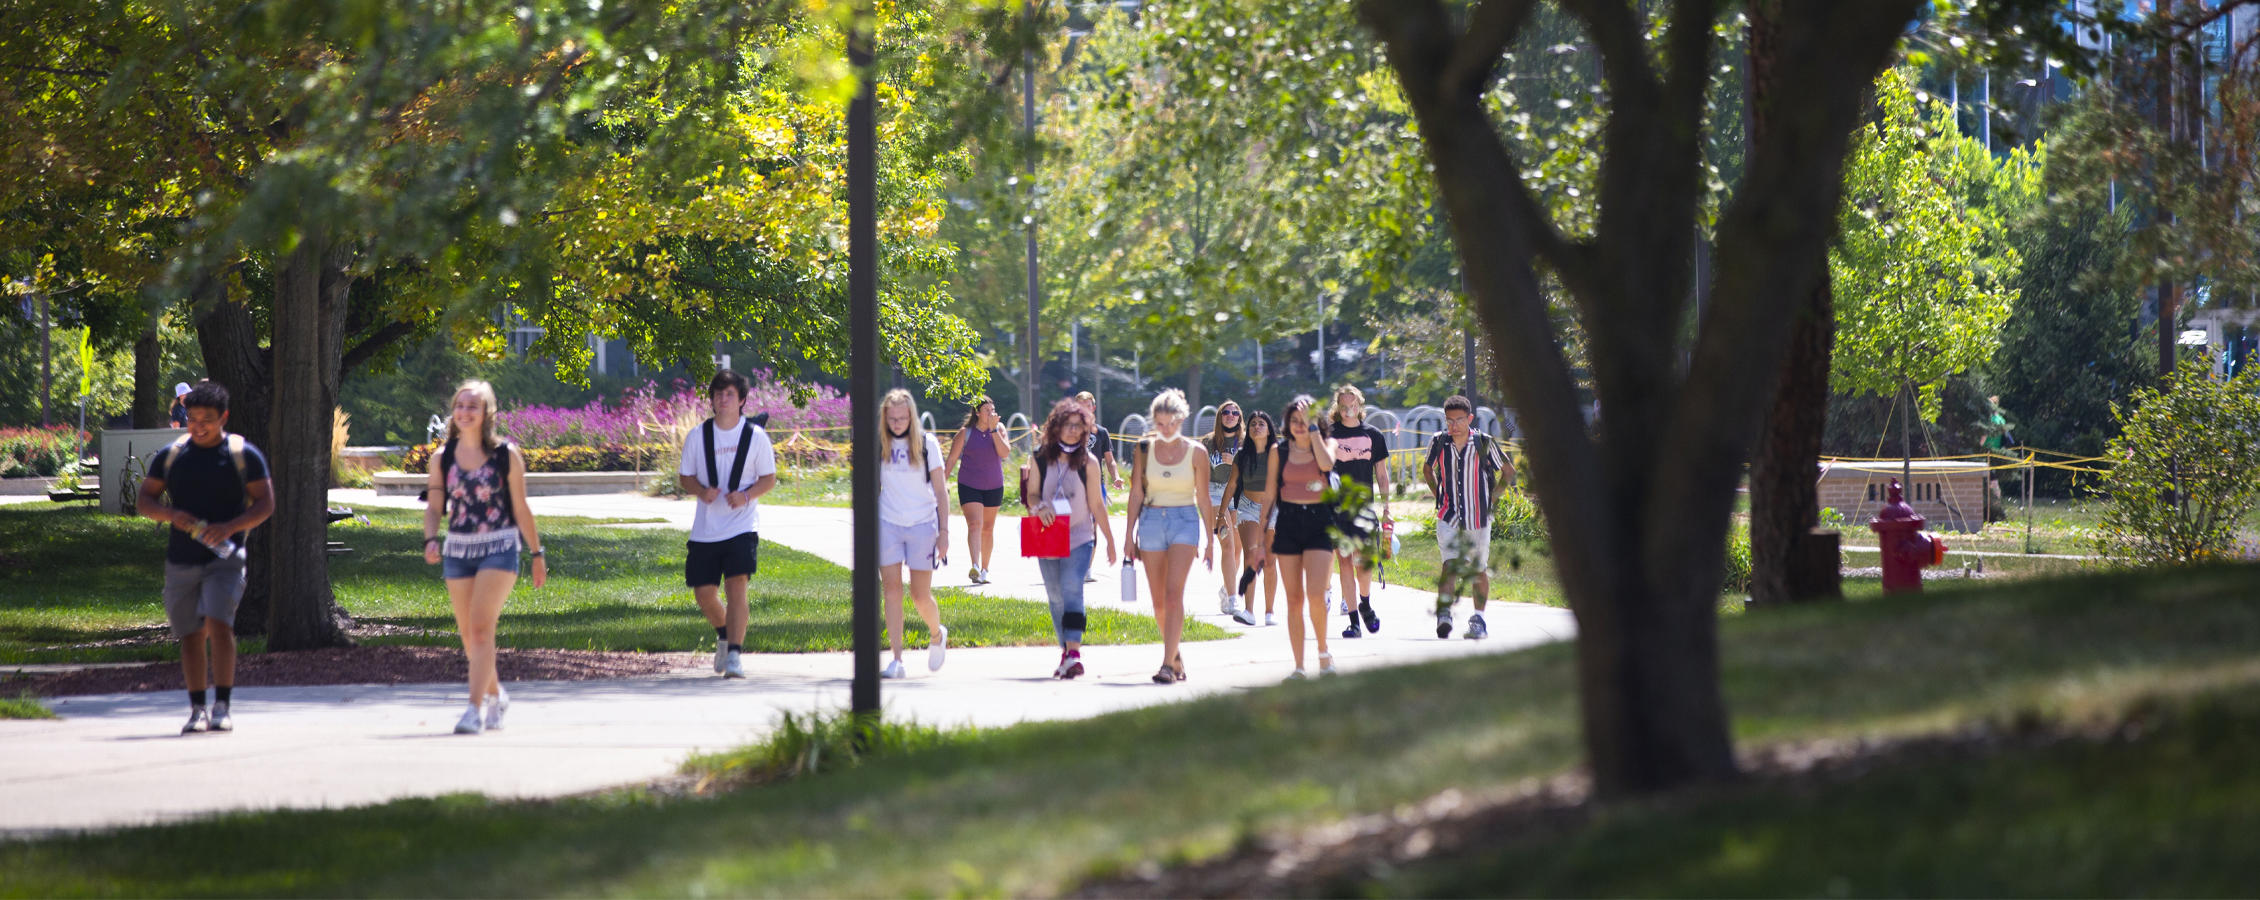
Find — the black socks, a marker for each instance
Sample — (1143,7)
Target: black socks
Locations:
(721,633)
(221,692)
(737,648)
(196,699)
(1365,602)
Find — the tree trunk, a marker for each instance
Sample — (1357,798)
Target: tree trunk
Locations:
(1639,532)
(230,339)
(1788,562)
(309,315)
(150,399)
(1193,392)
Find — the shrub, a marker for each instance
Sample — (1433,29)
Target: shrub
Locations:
(605,458)
(1737,561)
(2185,470)
(36,451)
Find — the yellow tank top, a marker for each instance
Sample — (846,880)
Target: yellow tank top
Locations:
(1170,485)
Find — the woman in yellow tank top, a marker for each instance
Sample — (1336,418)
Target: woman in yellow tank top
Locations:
(1168,503)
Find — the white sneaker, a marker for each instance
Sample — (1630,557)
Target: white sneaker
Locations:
(733,668)
(1224,599)
(937,648)
(1270,620)
(893,670)
(1297,675)
(496,706)
(1242,616)
(721,652)
(975,575)
(471,723)
(1326,664)
(222,722)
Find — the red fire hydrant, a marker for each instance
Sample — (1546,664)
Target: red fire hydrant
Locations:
(1907,548)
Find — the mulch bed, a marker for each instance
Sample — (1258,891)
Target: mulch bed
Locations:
(1338,859)
(366,665)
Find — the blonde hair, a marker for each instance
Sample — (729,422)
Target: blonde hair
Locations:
(485,393)
(1334,407)
(1169,401)
(1085,397)
(916,434)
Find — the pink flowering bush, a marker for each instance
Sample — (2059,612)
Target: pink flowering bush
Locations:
(642,416)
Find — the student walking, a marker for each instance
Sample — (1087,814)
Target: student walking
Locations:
(178,414)
(1223,445)
(217,487)
(1467,471)
(1361,454)
(977,453)
(1300,542)
(728,462)
(1251,490)
(1102,442)
(1168,509)
(1061,479)
(477,482)
(913,525)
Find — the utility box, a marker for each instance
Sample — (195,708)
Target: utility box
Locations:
(125,459)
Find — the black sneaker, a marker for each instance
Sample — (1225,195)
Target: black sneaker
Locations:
(1372,622)
(1443,623)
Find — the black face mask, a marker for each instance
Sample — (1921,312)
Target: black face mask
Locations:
(899,434)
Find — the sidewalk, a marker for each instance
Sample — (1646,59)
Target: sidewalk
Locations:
(118,759)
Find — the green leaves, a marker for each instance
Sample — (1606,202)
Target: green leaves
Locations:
(2185,470)
(1923,275)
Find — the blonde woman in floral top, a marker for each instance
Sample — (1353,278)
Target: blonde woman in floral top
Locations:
(480,487)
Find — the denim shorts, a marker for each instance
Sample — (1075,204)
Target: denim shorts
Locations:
(1247,510)
(453,567)
(1162,527)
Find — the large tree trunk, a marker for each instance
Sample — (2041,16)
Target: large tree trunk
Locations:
(309,319)
(1788,562)
(234,357)
(150,399)
(1638,531)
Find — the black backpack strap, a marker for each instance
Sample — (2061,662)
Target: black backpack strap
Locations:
(446,465)
(502,483)
(737,466)
(713,477)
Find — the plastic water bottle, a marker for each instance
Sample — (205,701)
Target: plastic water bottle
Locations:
(1129,582)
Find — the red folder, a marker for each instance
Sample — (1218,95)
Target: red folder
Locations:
(1040,542)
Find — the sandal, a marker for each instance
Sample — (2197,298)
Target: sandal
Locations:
(1165,675)
(1326,664)
(1180,667)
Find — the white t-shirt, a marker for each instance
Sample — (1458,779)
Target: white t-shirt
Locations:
(906,497)
(716,521)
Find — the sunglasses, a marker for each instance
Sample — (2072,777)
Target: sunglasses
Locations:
(1229,412)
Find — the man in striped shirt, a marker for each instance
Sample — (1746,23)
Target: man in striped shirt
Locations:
(1466,470)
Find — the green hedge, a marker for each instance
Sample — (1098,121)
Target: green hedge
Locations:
(35,451)
(604,458)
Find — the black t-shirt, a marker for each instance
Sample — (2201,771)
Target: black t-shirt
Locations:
(203,482)
(1101,442)
(1357,448)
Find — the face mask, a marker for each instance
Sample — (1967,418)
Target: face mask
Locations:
(900,434)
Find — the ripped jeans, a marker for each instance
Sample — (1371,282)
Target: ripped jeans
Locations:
(1063,581)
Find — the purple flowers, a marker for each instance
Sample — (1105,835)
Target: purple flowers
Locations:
(642,415)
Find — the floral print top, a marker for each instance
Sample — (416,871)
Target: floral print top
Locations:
(480,521)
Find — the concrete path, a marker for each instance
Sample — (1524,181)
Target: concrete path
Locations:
(118,759)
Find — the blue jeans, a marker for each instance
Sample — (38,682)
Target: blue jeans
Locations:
(1063,580)
(1161,527)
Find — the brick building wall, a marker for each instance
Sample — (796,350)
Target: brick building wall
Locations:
(1950,495)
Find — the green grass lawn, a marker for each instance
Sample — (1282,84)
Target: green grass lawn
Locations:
(76,586)
(1035,808)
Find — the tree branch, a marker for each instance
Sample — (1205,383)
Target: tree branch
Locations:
(373,344)
(1491,29)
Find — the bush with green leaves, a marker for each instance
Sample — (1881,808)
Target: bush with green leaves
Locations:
(2185,470)
(36,451)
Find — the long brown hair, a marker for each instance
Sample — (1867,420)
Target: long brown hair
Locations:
(1301,405)
(1050,450)
(973,413)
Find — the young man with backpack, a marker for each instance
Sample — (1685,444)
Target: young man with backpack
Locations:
(1467,471)
(211,487)
(728,463)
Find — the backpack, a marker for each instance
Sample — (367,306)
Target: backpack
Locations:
(234,443)
(737,466)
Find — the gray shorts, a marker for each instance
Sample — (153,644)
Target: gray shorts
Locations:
(908,545)
(194,593)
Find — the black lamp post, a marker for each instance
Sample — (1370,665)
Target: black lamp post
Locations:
(863,357)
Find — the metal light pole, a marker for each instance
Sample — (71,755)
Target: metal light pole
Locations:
(863,360)
(1028,220)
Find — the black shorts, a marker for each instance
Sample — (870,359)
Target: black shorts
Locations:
(708,562)
(991,498)
(1302,527)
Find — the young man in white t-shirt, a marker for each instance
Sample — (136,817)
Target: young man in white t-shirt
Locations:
(727,464)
